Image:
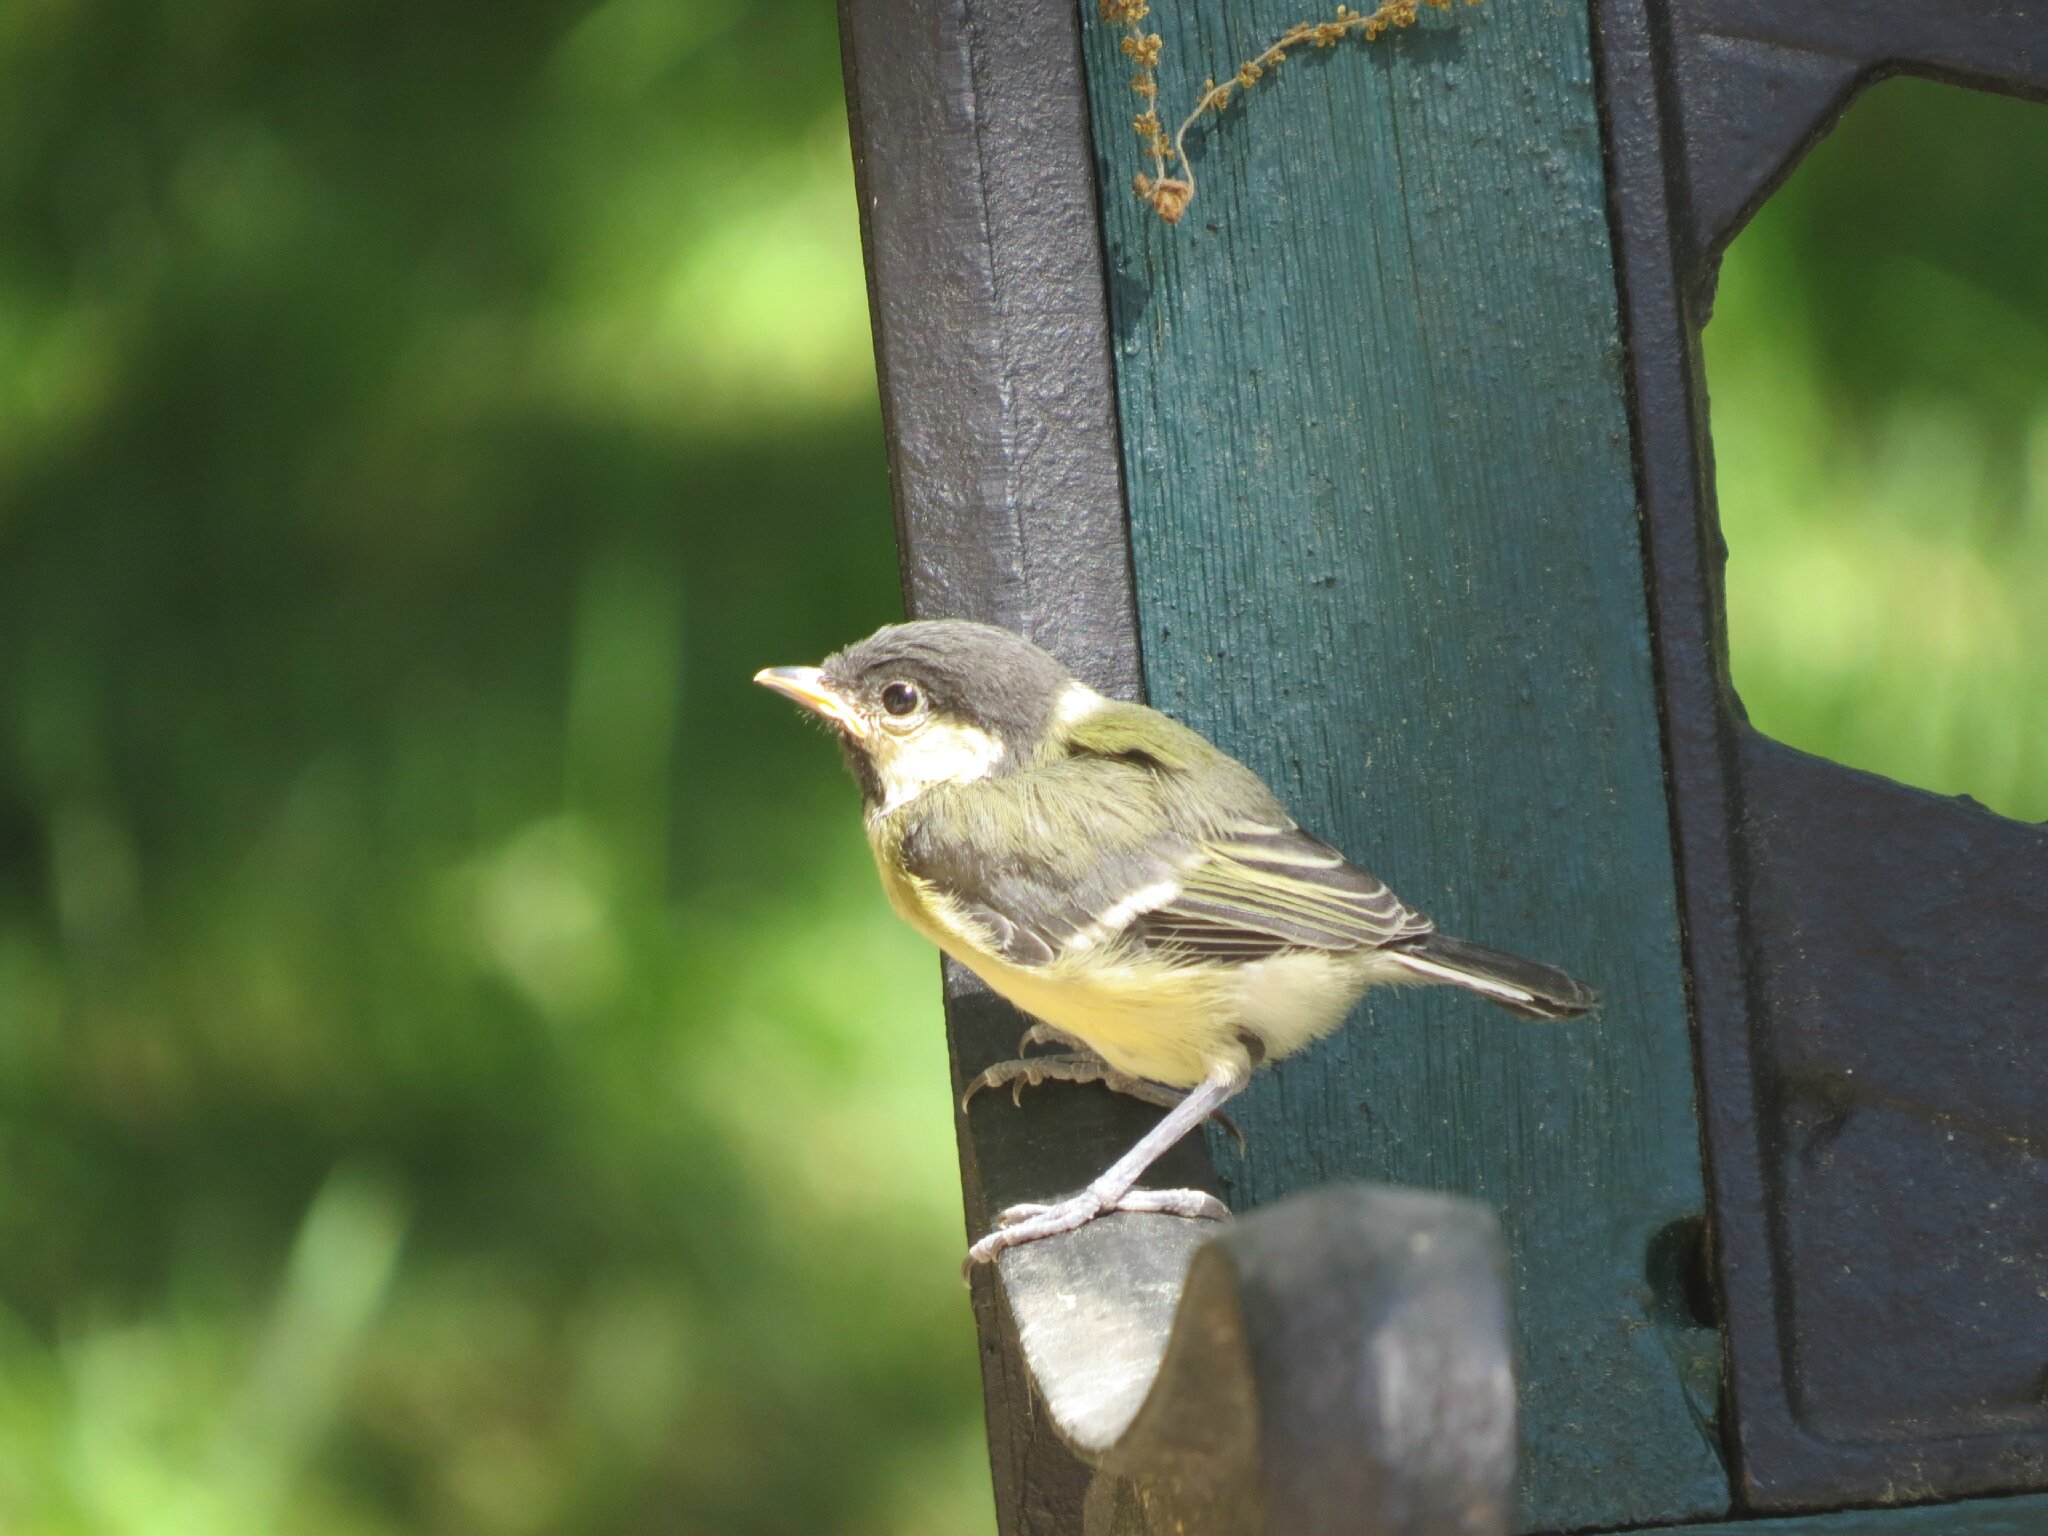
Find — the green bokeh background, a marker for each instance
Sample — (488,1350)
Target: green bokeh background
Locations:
(1878,365)
(416,422)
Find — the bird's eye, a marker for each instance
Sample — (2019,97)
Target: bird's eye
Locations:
(900,698)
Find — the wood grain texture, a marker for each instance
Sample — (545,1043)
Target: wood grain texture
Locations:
(1386,546)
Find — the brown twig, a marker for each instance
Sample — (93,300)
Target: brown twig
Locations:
(1170,195)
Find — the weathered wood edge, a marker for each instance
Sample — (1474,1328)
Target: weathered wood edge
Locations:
(986,286)
(1683,561)
(2026,1515)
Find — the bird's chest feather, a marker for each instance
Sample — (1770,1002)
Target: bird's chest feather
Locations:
(1146,1018)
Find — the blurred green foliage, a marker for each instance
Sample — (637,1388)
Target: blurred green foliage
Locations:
(1878,365)
(415,425)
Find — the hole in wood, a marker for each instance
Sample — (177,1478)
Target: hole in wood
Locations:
(1878,364)
(1680,1277)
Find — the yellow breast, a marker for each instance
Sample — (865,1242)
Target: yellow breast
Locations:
(1172,1024)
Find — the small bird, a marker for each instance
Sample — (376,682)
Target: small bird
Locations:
(1139,893)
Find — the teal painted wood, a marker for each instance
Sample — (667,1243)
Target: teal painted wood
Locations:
(1384,529)
(1979,1517)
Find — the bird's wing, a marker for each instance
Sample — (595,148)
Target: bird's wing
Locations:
(1115,854)
(1041,871)
(1259,888)
(1252,883)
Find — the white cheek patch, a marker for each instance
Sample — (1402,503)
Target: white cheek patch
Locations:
(1076,702)
(942,752)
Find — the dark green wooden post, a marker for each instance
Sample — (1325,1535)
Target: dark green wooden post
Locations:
(1383,518)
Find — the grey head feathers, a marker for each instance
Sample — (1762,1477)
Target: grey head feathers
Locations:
(989,678)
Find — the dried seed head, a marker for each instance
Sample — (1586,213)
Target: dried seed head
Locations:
(1143,50)
(1169,198)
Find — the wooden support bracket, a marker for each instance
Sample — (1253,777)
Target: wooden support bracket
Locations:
(1335,1364)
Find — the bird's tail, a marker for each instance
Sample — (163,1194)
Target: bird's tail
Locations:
(1523,987)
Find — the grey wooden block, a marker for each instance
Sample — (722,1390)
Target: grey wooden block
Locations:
(1335,1364)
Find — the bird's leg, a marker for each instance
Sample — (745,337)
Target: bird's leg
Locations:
(1080,1066)
(1114,1190)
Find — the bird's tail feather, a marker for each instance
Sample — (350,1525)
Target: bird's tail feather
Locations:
(1524,987)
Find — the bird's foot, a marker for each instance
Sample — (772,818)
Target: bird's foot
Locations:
(1046,1034)
(1078,1067)
(1067,1067)
(1028,1223)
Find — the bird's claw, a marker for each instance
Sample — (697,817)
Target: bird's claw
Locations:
(1193,1204)
(1030,1071)
(1020,1074)
(1028,1222)
(1044,1034)
(1021,1213)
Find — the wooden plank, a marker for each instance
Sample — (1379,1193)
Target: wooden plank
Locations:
(978,214)
(1377,459)
(1979,1517)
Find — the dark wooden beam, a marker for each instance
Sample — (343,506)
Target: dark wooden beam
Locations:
(1866,959)
(984,251)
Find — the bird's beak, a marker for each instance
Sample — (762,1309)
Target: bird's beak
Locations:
(808,687)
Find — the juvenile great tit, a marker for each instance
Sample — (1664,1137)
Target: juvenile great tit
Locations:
(1120,880)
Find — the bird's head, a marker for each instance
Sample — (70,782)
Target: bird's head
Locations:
(932,702)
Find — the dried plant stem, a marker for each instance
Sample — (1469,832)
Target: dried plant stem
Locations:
(1142,49)
(1169,194)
